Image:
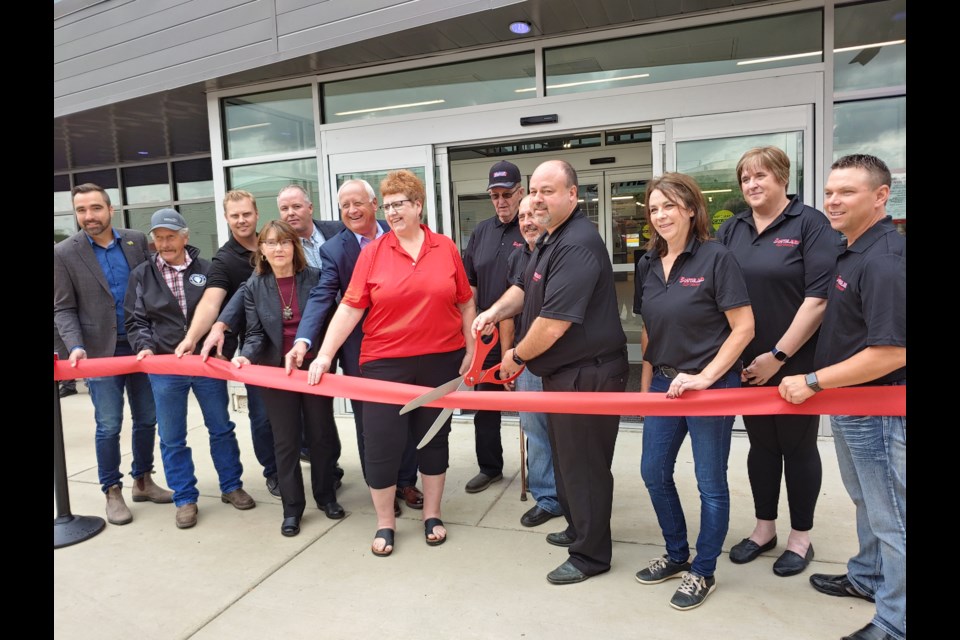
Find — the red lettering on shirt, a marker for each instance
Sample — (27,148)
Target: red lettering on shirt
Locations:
(690,282)
(841,284)
(536,276)
(786,242)
(517,244)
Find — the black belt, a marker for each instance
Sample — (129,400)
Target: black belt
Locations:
(598,360)
(671,373)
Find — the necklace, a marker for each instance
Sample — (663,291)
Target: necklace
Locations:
(287,310)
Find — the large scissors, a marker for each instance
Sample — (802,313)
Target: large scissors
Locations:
(474,376)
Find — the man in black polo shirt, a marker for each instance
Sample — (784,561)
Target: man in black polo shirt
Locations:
(571,336)
(230,268)
(863,341)
(491,243)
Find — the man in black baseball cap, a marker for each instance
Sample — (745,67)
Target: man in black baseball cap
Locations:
(491,242)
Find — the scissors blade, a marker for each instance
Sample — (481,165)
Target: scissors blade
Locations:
(441,420)
(430,396)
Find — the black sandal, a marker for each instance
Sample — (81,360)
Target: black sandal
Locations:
(387,535)
(428,526)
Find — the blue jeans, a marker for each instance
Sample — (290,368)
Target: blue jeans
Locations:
(872,454)
(170,393)
(261,432)
(107,396)
(540,478)
(710,439)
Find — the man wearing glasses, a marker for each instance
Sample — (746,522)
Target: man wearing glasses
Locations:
(491,242)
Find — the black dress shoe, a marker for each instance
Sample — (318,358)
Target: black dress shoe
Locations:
(67,391)
(566,573)
(290,526)
(536,516)
(560,539)
(790,563)
(839,586)
(869,632)
(333,510)
(747,550)
(273,486)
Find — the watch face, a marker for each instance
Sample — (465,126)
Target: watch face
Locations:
(779,355)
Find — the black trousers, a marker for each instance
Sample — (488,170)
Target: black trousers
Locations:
(294,416)
(386,433)
(407,476)
(784,445)
(486,426)
(583,448)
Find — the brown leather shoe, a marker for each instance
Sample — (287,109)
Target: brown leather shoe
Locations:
(187,515)
(239,499)
(146,490)
(412,496)
(117,511)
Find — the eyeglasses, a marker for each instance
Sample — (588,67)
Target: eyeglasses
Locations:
(286,243)
(506,195)
(396,206)
(353,205)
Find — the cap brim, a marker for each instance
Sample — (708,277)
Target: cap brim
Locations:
(167,226)
(505,185)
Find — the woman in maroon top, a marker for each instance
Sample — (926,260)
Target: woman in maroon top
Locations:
(274,299)
(417,331)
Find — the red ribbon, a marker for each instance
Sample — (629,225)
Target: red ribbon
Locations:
(857,401)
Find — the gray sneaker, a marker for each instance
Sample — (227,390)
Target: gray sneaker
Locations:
(693,590)
(661,570)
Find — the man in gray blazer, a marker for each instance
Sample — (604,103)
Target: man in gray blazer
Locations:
(90,273)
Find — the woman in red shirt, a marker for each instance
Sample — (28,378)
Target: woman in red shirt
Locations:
(419,307)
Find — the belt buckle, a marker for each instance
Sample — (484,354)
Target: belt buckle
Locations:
(669,372)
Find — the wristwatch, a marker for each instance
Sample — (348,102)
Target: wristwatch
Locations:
(811,380)
(520,361)
(779,355)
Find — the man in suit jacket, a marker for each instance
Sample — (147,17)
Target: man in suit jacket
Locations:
(90,273)
(358,209)
(296,209)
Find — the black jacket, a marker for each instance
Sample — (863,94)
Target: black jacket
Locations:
(263,340)
(153,316)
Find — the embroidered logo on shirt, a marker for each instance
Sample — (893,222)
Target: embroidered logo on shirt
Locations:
(841,284)
(517,244)
(690,282)
(785,242)
(536,276)
(198,279)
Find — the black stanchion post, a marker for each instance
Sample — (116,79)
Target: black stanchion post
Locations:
(68,529)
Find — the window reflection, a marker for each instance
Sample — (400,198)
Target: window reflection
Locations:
(883,24)
(264,181)
(270,122)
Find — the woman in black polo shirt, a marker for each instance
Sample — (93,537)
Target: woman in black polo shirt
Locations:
(786,250)
(696,321)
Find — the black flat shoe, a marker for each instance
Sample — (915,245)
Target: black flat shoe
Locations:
(747,550)
(560,539)
(536,516)
(333,510)
(290,526)
(790,563)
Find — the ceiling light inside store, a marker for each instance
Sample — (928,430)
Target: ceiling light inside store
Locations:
(818,53)
(718,191)
(577,84)
(249,126)
(622,198)
(393,106)
(521,27)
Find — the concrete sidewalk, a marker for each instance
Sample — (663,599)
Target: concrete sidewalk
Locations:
(234,576)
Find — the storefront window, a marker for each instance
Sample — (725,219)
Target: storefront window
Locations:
(735,47)
(193,179)
(879,128)
(870,46)
(449,86)
(264,181)
(106,179)
(148,183)
(64,226)
(270,122)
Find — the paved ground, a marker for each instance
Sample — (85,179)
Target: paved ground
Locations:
(234,576)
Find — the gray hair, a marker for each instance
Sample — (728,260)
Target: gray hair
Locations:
(363,183)
(303,191)
(183,232)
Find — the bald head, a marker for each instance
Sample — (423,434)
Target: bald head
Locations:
(553,193)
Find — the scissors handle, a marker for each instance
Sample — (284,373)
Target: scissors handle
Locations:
(490,375)
(481,351)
